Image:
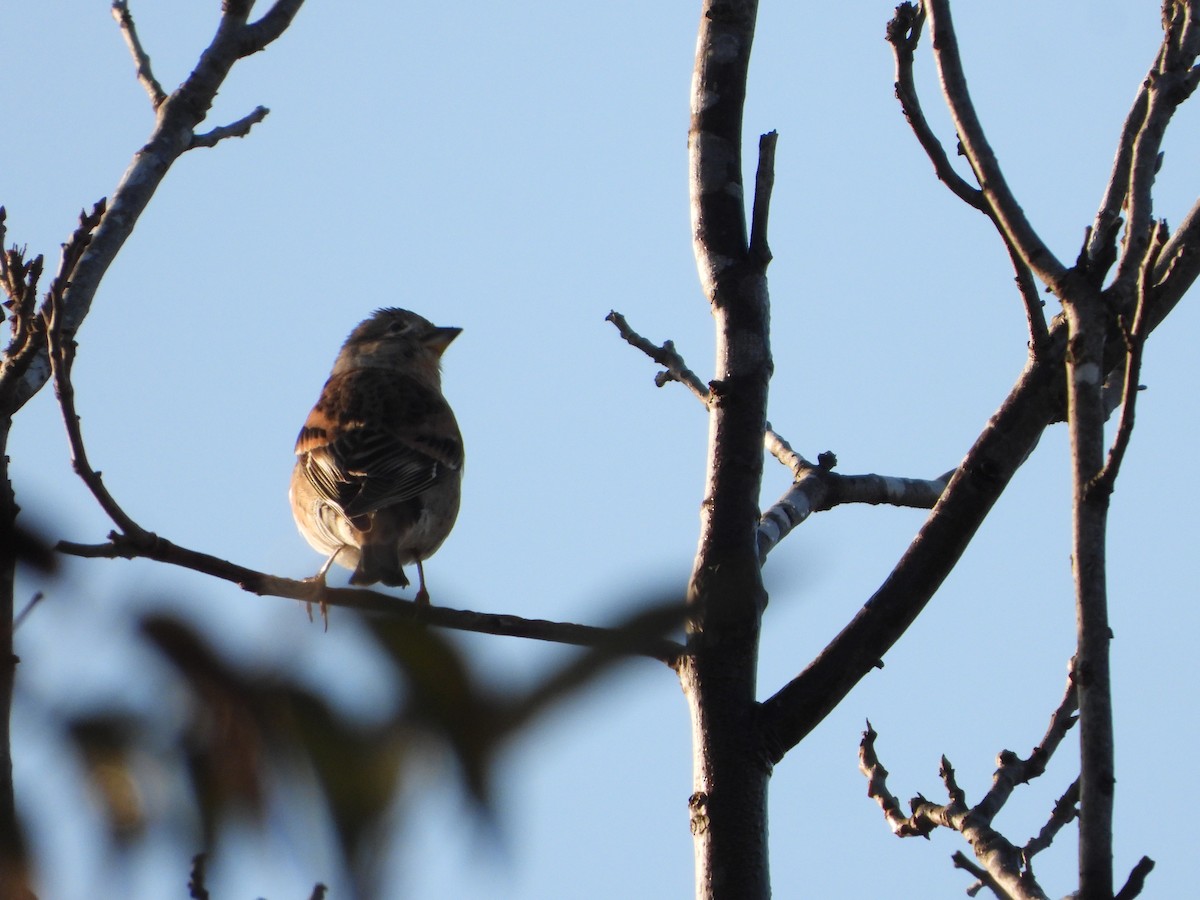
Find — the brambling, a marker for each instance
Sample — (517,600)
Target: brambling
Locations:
(380,457)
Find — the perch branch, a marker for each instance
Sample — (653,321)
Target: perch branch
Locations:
(151,546)
(132,541)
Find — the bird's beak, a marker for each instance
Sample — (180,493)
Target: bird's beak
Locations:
(439,339)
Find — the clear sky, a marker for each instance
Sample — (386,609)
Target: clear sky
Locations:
(518,170)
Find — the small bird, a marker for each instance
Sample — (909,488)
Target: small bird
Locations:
(380,457)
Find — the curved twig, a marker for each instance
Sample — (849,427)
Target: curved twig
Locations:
(1009,216)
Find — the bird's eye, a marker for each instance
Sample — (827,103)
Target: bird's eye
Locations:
(397,326)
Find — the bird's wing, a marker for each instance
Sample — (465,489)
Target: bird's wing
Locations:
(375,439)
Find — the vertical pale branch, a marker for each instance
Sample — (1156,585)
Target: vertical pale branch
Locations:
(728,806)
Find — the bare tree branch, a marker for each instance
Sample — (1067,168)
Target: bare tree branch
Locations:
(1013,770)
(1135,341)
(1001,863)
(1066,811)
(818,488)
(1035,307)
(240,128)
(273,23)
(1101,245)
(62,357)
(1005,210)
(984,877)
(998,452)
(764,184)
(904,33)
(1176,271)
(174,130)
(132,541)
(141,59)
(666,356)
(1169,84)
(1137,879)
(151,546)
(877,790)
(1087,323)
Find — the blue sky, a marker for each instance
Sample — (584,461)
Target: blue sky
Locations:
(519,170)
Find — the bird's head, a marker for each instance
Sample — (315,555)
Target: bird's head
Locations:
(396,339)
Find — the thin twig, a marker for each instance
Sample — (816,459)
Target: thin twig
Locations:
(20,617)
(62,356)
(764,183)
(1000,863)
(779,448)
(1007,213)
(666,356)
(961,861)
(903,33)
(240,128)
(1035,307)
(1170,82)
(1137,879)
(145,74)
(1135,343)
(1066,811)
(1013,770)
(816,487)
(877,790)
